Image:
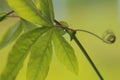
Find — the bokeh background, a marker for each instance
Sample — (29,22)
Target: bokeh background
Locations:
(96,16)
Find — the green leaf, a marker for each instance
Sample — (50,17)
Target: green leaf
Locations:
(40,58)
(19,52)
(4,6)
(65,53)
(61,31)
(28,25)
(12,33)
(27,10)
(46,8)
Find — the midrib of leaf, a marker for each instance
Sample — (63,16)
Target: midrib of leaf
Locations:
(21,60)
(34,8)
(19,6)
(26,54)
(65,53)
(48,43)
(51,9)
(30,3)
(36,41)
(40,57)
(65,50)
(47,9)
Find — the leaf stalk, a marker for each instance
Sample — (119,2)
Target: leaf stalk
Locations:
(72,33)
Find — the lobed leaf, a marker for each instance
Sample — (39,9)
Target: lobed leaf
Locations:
(28,25)
(65,52)
(19,52)
(40,58)
(12,33)
(27,10)
(46,8)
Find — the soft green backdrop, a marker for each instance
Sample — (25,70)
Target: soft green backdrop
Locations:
(93,15)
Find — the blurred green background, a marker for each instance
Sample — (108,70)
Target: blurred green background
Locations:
(93,15)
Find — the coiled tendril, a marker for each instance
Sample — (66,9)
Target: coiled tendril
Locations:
(108,36)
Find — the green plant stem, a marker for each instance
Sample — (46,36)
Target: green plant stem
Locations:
(87,56)
(72,33)
(10,13)
(4,16)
